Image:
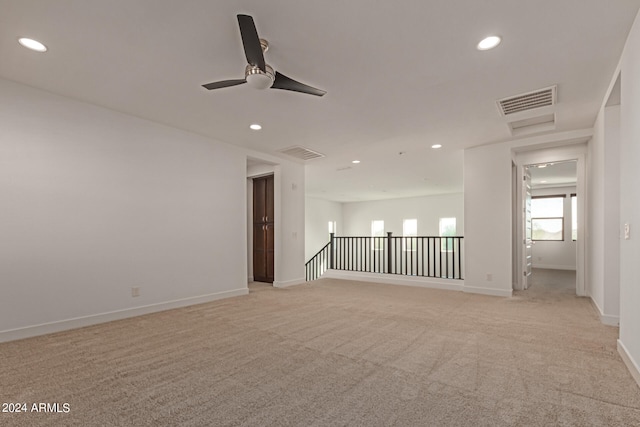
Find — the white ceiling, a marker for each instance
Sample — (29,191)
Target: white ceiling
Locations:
(400,76)
(554,174)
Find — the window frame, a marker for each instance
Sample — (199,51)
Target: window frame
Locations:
(447,244)
(574,214)
(409,241)
(561,218)
(378,244)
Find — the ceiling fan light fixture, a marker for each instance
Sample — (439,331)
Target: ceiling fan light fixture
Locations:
(259,79)
(489,43)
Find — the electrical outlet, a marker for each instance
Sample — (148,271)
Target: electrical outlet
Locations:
(135,291)
(489,277)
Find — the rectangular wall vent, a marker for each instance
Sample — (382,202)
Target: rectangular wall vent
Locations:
(301,153)
(527,101)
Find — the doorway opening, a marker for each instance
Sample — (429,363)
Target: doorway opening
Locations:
(262,211)
(549,219)
(553,225)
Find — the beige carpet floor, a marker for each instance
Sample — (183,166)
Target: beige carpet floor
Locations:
(334,353)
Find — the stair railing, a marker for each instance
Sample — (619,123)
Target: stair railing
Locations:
(422,256)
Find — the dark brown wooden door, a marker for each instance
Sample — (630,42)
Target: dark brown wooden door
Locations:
(263,230)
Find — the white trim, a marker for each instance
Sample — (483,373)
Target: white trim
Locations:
(563,150)
(287,283)
(80,322)
(606,319)
(393,279)
(508,293)
(634,370)
(555,267)
(610,320)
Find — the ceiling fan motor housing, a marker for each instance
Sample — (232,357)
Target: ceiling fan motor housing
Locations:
(259,79)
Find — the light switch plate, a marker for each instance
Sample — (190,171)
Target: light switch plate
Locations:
(627,231)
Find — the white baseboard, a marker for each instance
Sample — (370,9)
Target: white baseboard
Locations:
(606,319)
(80,322)
(507,293)
(287,283)
(554,266)
(629,362)
(393,279)
(610,320)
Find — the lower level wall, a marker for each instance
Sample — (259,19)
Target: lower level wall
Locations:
(394,279)
(422,282)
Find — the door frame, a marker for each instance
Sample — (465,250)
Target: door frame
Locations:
(256,169)
(576,152)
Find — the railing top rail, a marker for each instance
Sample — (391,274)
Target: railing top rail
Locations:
(323,248)
(397,237)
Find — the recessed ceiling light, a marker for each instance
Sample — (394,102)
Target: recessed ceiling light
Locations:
(355,161)
(436,146)
(32,44)
(542,166)
(489,43)
(255,126)
(543,182)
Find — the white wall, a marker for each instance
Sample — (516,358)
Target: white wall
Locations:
(557,254)
(318,213)
(289,224)
(612,215)
(604,212)
(428,210)
(95,202)
(629,342)
(595,210)
(487,219)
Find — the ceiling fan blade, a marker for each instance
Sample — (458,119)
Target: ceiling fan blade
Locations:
(251,41)
(224,83)
(283,82)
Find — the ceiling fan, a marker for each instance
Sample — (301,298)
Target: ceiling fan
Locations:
(259,74)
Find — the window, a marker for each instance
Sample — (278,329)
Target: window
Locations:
(377,230)
(332,227)
(409,231)
(447,228)
(547,218)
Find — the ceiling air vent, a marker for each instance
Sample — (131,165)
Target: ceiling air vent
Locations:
(527,101)
(301,153)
